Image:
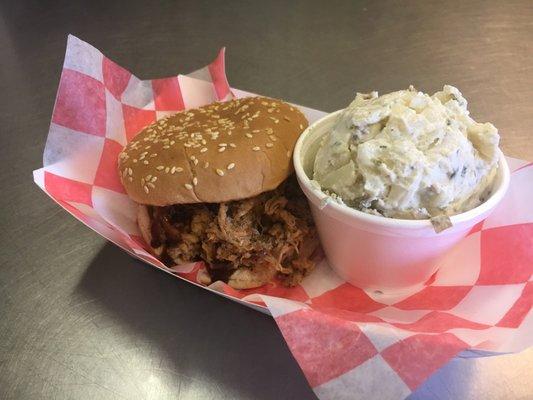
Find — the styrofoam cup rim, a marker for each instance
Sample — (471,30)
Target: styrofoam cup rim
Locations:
(315,195)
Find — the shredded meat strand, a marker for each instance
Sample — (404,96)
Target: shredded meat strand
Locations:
(273,230)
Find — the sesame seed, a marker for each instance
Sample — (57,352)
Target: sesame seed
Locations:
(203,149)
(153,155)
(142,181)
(256,148)
(222,145)
(195,181)
(256,131)
(172,142)
(270,110)
(146,189)
(220,172)
(231,166)
(146,162)
(274,119)
(130,178)
(221,149)
(286,118)
(166,147)
(188,186)
(195,161)
(151,185)
(301,126)
(130,172)
(135,160)
(160,167)
(264,103)
(273,138)
(232,145)
(269,145)
(248,135)
(206,164)
(289,154)
(148,177)
(154,178)
(167,169)
(179,169)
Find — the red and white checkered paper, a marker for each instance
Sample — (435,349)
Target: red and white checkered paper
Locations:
(345,340)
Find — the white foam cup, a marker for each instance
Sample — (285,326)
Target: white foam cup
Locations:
(375,252)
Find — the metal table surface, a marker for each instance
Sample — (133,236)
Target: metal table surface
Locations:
(81,319)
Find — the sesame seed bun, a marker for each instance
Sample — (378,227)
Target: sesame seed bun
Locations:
(220,152)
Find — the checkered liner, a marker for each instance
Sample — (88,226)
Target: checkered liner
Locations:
(346,340)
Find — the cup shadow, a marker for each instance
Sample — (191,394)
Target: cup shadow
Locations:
(201,337)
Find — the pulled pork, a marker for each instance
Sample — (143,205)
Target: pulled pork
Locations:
(272,231)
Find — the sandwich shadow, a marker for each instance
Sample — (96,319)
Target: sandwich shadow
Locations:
(201,339)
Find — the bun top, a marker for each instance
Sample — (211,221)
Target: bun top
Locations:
(220,152)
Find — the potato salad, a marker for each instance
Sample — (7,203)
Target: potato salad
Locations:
(408,155)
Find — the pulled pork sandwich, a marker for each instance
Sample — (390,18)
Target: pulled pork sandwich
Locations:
(213,184)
